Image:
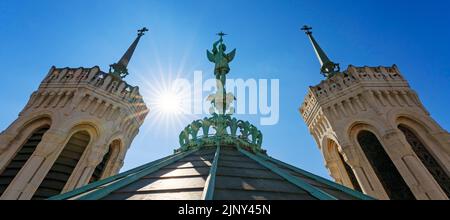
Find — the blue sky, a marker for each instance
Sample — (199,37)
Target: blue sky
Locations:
(412,34)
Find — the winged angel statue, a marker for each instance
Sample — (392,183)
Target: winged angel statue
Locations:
(221,59)
(221,101)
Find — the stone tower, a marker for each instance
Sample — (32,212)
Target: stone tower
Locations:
(75,129)
(375,134)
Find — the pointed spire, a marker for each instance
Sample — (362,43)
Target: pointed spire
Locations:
(119,69)
(328,67)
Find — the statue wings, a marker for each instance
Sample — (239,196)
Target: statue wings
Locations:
(231,55)
(210,56)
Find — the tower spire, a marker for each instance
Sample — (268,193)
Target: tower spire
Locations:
(119,69)
(328,68)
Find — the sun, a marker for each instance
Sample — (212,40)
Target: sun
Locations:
(169,102)
(169,105)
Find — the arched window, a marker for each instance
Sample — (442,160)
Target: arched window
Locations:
(112,153)
(350,174)
(21,157)
(63,167)
(98,172)
(384,168)
(335,154)
(427,159)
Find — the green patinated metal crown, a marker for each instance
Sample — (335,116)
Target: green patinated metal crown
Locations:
(221,129)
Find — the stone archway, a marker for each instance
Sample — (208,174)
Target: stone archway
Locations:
(384,168)
(61,170)
(21,156)
(103,169)
(428,160)
(339,168)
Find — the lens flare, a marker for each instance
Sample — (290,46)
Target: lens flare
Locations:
(169,102)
